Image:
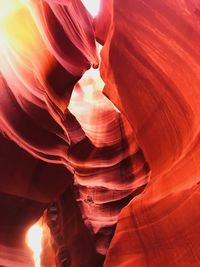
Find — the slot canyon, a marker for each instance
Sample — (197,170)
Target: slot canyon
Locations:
(99,133)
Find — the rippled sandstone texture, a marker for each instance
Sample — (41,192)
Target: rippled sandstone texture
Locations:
(157,87)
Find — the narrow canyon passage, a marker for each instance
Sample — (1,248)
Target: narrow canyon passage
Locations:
(99,133)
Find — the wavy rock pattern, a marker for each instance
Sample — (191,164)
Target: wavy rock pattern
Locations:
(96,144)
(157,43)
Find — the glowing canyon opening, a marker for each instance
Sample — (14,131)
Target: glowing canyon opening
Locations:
(34,241)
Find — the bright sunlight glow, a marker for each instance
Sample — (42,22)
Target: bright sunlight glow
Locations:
(92,6)
(34,241)
(7,7)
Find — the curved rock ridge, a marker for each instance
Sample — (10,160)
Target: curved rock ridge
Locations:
(46,48)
